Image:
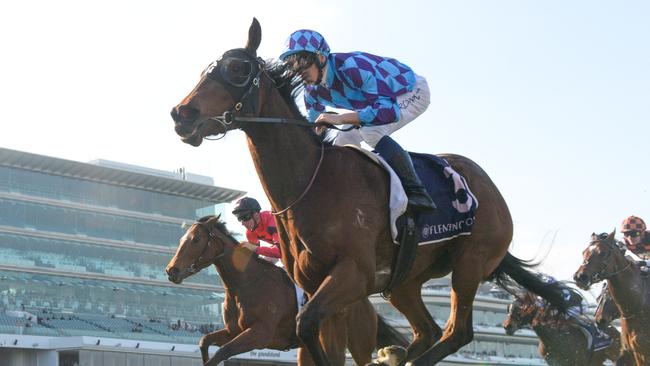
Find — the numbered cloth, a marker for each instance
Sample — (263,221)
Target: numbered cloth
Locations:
(455,215)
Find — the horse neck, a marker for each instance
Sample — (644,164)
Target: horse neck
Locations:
(627,286)
(285,156)
(237,267)
(546,328)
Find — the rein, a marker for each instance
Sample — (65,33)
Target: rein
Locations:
(195,267)
(597,277)
(225,123)
(311,182)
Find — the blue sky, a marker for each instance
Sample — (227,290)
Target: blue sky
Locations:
(551,98)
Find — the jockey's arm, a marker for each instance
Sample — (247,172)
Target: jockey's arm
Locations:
(272,251)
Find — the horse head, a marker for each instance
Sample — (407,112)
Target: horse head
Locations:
(598,264)
(520,312)
(231,84)
(203,243)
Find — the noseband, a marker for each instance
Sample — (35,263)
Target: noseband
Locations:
(197,265)
(247,94)
(598,276)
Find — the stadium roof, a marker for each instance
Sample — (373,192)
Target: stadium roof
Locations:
(120,175)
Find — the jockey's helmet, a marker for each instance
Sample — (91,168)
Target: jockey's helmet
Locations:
(246,205)
(305,40)
(633,223)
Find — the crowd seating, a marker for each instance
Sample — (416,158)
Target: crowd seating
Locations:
(44,322)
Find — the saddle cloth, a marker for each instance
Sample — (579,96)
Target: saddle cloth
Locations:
(448,189)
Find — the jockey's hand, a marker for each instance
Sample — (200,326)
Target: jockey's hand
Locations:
(324,119)
(249,246)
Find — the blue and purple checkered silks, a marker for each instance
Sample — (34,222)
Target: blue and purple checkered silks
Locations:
(361,82)
(305,40)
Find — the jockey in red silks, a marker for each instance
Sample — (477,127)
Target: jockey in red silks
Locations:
(637,238)
(260,225)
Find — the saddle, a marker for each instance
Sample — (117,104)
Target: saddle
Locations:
(454,216)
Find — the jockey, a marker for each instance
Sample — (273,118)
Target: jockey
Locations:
(381,93)
(637,239)
(576,314)
(260,225)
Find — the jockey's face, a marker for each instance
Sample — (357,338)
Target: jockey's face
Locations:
(633,237)
(252,221)
(310,75)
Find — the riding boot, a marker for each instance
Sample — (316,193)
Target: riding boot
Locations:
(400,161)
(600,339)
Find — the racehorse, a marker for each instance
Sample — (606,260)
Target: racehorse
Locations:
(260,304)
(604,259)
(331,206)
(560,342)
(606,311)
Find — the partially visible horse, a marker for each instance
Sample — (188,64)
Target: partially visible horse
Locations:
(604,260)
(560,342)
(606,311)
(332,209)
(260,304)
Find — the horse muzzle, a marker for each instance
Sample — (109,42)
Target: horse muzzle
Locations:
(174,275)
(582,280)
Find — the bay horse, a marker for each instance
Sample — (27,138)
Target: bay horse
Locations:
(560,342)
(260,304)
(331,206)
(604,260)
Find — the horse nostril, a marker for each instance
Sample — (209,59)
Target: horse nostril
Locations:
(172,272)
(580,278)
(185,114)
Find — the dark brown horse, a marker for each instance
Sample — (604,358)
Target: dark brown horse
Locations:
(260,305)
(332,209)
(560,342)
(604,260)
(606,311)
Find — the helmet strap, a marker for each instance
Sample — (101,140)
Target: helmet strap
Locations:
(320,66)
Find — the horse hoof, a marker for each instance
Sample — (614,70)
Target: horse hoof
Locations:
(390,356)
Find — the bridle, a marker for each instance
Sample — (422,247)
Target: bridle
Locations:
(245,89)
(197,265)
(246,92)
(599,276)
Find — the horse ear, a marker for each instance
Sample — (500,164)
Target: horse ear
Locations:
(213,220)
(611,235)
(254,37)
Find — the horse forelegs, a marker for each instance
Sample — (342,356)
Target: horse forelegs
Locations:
(304,358)
(245,341)
(458,331)
(344,285)
(407,299)
(217,338)
(361,325)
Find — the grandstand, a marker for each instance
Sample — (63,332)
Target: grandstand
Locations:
(82,252)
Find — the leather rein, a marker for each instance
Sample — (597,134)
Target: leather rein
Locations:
(248,103)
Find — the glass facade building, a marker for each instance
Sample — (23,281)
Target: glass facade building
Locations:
(83,247)
(94,239)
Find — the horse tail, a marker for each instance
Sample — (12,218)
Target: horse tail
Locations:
(387,335)
(519,270)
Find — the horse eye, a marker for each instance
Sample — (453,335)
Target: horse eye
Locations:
(196,239)
(239,68)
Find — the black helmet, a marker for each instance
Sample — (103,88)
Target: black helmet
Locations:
(246,205)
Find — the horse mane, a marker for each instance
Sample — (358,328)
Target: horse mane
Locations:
(221,226)
(289,84)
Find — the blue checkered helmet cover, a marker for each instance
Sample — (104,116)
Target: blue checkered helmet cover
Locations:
(305,40)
